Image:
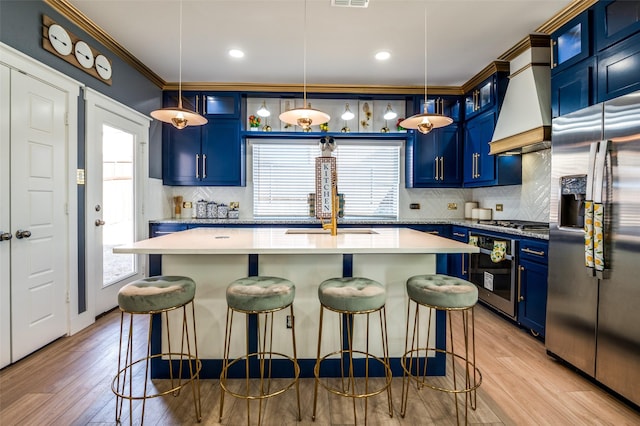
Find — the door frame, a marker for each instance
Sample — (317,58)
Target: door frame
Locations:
(19,61)
(94,102)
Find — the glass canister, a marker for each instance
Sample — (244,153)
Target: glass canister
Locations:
(234,214)
(222,211)
(201,209)
(212,210)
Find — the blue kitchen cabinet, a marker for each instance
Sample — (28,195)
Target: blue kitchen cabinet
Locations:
(573,88)
(618,69)
(571,43)
(212,154)
(434,159)
(532,285)
(443,105)
(481,168)
(615,20)
(458,264)
(481,98)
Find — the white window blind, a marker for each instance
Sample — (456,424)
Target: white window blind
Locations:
(284,176)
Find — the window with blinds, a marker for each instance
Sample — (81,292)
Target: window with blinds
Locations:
(284,176)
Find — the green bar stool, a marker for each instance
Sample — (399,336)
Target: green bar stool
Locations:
(449,294)
(350,297)
(149,296)
(263,296)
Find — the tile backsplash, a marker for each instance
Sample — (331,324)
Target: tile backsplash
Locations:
(529,201)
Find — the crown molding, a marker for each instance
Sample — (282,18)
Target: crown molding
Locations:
(565,15)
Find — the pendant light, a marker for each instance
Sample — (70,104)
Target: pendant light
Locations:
(425,122)
(389,113)
(305,116)
(263,111)
(179,116)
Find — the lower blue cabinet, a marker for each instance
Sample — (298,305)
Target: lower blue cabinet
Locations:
(459,263)
(532,286)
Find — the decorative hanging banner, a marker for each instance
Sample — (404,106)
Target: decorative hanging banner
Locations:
(325,182)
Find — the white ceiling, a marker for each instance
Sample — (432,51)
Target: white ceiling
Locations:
(463,37)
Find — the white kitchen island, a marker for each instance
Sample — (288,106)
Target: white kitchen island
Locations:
(214,257)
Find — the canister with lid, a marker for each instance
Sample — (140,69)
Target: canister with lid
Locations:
(222,211)
(201,209)
(212,210)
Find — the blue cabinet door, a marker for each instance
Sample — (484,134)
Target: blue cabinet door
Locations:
(571,43)
(618,69)
(481,98)
(434,159)
(181,157)
(532,296)
(220,105)
(615,21)
(223,159)
(459,263)
(573,88)
(479,166)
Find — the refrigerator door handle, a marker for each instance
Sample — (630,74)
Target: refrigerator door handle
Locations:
(598,207)
(588,210)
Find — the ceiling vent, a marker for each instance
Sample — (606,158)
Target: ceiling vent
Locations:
(350,3)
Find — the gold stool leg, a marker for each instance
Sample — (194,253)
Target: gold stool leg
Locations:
(295,358)
(225,359)
(316,369)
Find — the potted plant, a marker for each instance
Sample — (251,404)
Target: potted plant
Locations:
(399,127)
(254,123)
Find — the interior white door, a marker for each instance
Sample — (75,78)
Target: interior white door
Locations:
(5,224)
(39,260)
(114,203)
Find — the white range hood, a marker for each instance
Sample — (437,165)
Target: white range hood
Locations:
(524,122)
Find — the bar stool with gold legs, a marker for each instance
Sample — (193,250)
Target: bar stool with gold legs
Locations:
(149,296)
(263,296)
(350,297)
(449,294)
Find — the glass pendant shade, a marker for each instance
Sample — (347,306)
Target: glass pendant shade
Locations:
(426,122)
(263,111)
(304,117)
(389,114)
(179,116)
(347,114)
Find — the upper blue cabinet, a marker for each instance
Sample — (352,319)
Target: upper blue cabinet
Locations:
(444,105)
(481,98)
(570,44)
(615,20)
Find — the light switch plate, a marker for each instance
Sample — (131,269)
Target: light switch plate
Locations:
(452,206)
(499,207)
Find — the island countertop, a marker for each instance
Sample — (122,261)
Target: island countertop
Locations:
(296,241)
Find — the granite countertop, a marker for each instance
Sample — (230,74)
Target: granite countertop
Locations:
(265,240)
(540,234)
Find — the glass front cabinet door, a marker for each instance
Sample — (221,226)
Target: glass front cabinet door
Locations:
(570,43)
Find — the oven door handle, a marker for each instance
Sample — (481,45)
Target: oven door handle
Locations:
(488,252)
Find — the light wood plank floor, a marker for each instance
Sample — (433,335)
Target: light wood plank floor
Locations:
(69,383)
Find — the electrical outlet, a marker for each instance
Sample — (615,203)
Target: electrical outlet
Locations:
(452,206)
(499,207)
(289,321)
(414,206)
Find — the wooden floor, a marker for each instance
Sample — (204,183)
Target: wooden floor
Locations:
(68,383)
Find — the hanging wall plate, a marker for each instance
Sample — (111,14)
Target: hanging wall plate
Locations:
(78,53)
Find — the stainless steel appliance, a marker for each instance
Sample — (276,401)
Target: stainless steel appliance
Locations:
(593,317)
(496,280)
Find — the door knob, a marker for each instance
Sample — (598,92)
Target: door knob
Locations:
(5,236)
(99,222)
(20,234)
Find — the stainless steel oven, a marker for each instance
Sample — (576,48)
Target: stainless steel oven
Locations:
(495,279)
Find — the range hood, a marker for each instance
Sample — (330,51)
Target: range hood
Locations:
(524,122)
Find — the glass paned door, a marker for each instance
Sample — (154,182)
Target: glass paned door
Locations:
(118,191)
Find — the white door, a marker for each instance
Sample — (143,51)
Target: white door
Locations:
(5,224)
(114,202)
(39,275)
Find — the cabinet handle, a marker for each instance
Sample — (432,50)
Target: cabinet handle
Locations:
(520,297)
(536,252)
(204,166)
(463,272)
(198,103)
(441,168)
(5,236)
(553,61)
(432,232)
(197,162)
(457,234)
(477,165)
(204,104)
(441,106)
(435,168)
(20,234)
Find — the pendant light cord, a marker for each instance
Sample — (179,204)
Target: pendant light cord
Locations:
(180,61)
(304,58)
(425,57)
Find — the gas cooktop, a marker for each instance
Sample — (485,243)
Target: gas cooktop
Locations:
(517,224)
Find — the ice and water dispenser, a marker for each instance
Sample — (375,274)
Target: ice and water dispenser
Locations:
(573,191)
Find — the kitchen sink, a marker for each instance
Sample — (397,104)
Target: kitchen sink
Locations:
(328,231)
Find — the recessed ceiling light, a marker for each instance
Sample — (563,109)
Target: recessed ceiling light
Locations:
(383,55)
(236,53)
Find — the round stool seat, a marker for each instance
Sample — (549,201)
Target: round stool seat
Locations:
(156,293)
(260,293)
(442,291)
(356,294)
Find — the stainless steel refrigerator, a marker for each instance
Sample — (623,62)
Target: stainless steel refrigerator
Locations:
(593,307)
